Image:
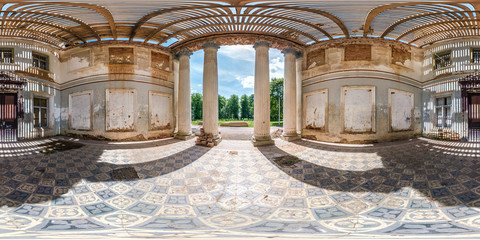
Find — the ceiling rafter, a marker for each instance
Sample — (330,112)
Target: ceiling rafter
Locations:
(79,22)
(50,25)
(162,27)
(432,34)
(380,9)
(97,8)
(153,14)
(235,24)
(410,18)
(418,28)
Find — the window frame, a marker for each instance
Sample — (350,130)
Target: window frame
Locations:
(1,55)
(472,50)
(443,108)
(40,122)
(47,61)
(449,52)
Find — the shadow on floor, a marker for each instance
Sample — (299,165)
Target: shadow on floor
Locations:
(39,171)
(443,172)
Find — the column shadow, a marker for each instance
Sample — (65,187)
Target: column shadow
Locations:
(36,173)
(443,172)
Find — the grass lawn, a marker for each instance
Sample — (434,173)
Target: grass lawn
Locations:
(250,122)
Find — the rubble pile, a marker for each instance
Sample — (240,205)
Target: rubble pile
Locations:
(205,139)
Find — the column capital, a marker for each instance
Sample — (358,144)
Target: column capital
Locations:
(299,55)
(184,52)
(290,50)
(259,43)
(210,45)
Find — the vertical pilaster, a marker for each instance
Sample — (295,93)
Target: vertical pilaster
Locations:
(290,96)
(175,91)
(299,93)
(184,98)
(210,91)
(262,95)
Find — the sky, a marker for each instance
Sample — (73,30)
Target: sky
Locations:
(236,69)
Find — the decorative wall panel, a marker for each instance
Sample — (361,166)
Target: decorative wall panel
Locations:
(121,104)
(80,110)
(358,103)
(401,110)
(315,111)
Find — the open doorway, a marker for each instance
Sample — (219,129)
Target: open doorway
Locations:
(236,67)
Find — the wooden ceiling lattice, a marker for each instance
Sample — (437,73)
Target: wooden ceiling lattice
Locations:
(63,24)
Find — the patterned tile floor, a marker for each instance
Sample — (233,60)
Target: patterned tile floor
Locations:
(417,188)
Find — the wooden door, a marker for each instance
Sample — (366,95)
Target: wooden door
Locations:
(8,117)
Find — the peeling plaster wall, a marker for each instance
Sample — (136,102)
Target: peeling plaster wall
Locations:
(117,116)
(443,82)
(393,65)
(38,85)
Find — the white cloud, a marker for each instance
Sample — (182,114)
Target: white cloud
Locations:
(277,67)
(247,82)
(240,52)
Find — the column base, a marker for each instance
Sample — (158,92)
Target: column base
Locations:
(184,136)
(291,137)
(257,142)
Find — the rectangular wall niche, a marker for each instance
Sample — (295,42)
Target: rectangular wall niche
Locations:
(79,60)
(315,110)
(161,61)
(400,56)
(358,52)
(401,110)
(315,58)
(120,104)
(80,110)
(120,55)
(358,109)
(160,108)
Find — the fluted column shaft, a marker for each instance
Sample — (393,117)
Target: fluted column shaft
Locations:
(262,95)
(184,99)
(290,95)
(210,89)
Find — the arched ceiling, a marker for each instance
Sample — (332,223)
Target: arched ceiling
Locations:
(166,22)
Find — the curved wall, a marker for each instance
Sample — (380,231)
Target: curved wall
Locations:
(41,84)
(361,90)
(117,91)
(441,83)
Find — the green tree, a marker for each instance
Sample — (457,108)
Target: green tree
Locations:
(251,104)
(197,106)
(244,107)
(276,99)
(222,101)
(233,107)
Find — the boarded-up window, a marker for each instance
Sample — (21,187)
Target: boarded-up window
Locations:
(160,105)
(161,61)
(315,58)
(79,60)
(80,110)
(315,109)
(357,52)
(119,55)
(401,110)
(400,56)
(120,109)
(358,109)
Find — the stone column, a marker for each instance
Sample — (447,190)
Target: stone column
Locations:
(184,98)
(299,93)
(290,96)
(210,91)
(262,96)
(175,92)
